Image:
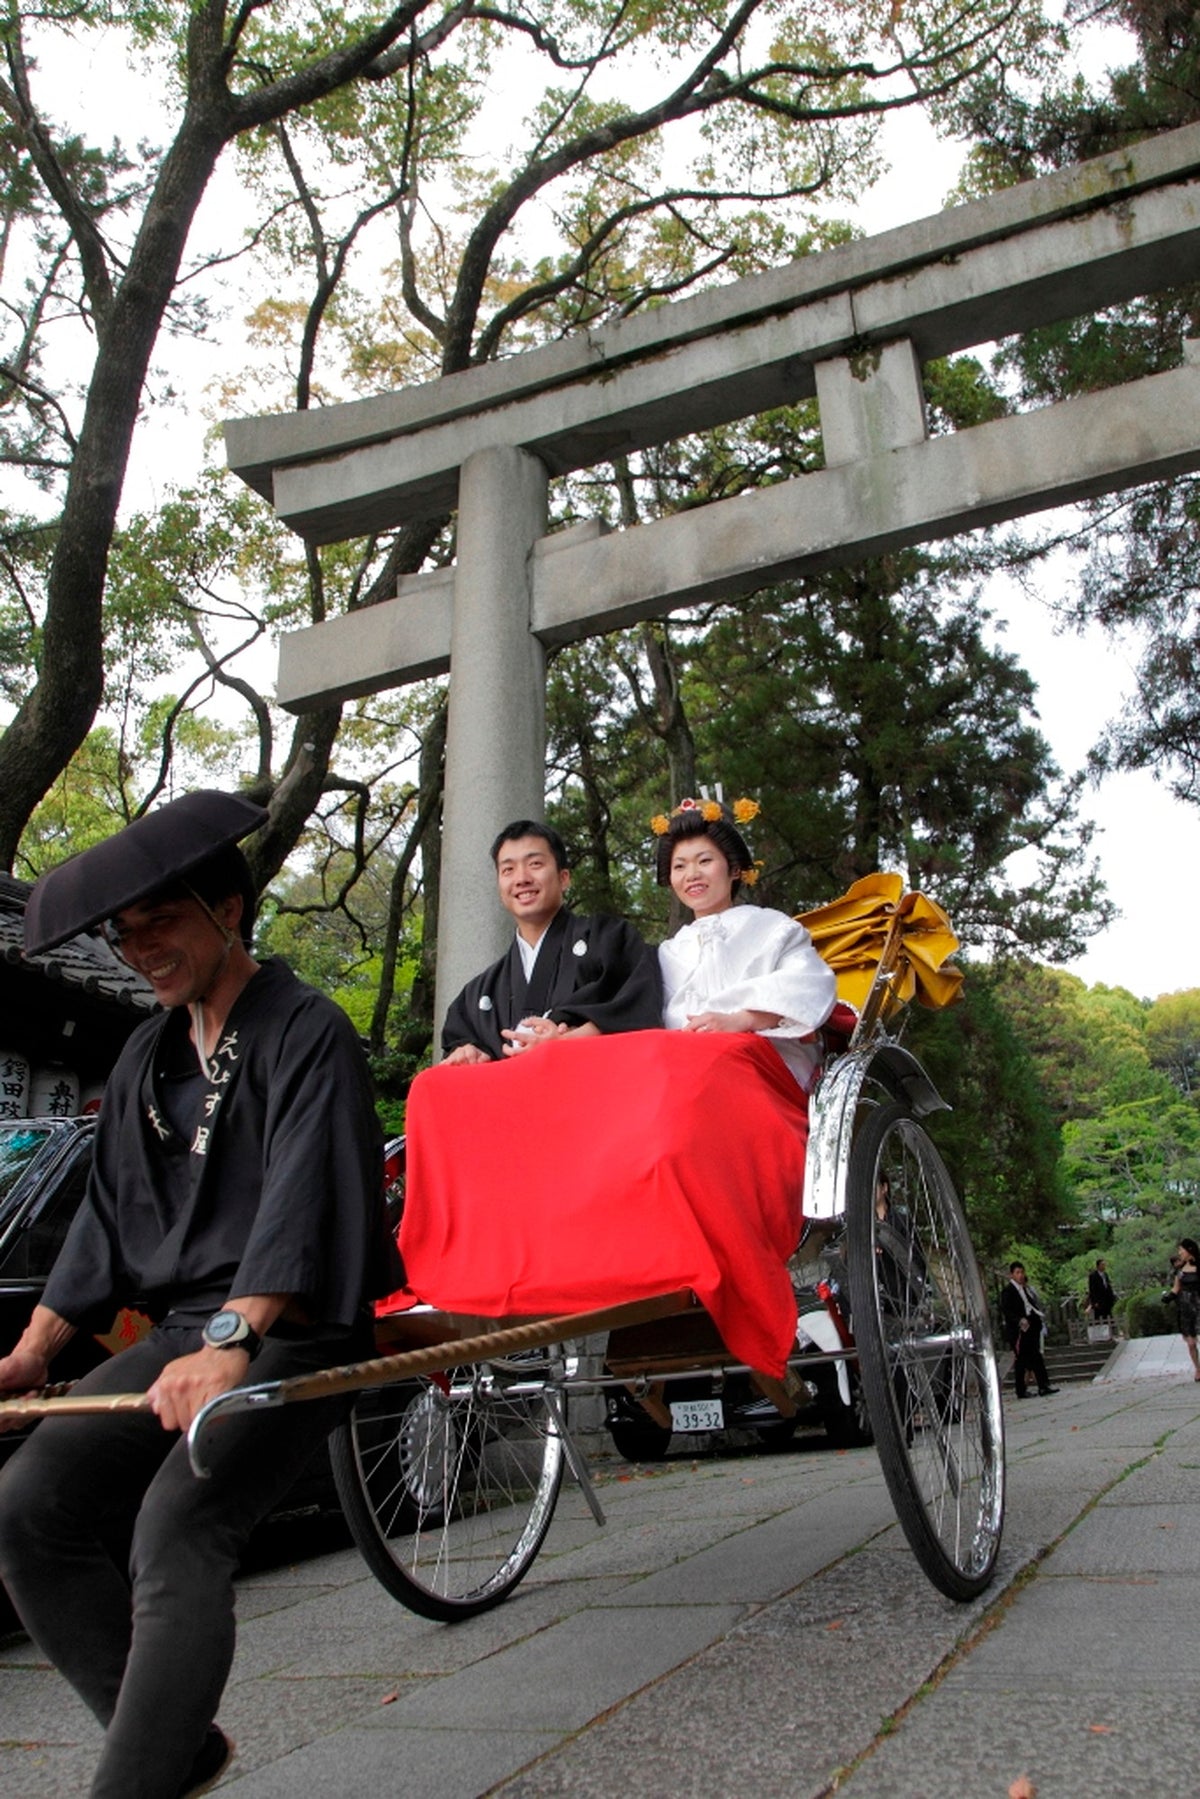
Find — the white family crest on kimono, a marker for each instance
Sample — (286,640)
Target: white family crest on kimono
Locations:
(584,969)
(755,959)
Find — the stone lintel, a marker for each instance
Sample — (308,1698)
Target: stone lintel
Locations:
(885,274)
(1148,430)
(377,647)
(688,388)
(1061,268)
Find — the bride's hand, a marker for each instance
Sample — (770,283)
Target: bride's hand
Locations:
(732,1021)
(718,1021)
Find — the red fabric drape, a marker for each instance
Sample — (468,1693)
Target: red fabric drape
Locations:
(588,1173)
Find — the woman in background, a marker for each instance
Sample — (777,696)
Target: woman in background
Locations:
(1186,1288)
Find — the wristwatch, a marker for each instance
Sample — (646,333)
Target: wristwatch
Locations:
(229,1330)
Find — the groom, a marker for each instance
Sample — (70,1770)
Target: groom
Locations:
(564,975)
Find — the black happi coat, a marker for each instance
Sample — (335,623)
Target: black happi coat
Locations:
(589,970)
(279,1191)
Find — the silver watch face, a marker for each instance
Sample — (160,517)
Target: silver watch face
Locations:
(225,1327)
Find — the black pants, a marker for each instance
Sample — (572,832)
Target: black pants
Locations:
(120,1562)
(1027,1351)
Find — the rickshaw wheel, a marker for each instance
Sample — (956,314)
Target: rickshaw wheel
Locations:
(924,1341)
(449,1485)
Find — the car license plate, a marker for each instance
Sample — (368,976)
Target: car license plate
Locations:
(697,1414)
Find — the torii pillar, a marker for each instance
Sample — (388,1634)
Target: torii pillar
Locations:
(496,729)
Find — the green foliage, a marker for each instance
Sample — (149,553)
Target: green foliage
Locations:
(1139,567)
(87,803)
(1129,1173)
(1173,1038)
(1138,1158)
(1144,1314)
(960,392)
(865,707)
(881,731)
(1088,1043)
(1039,1266)
(1138,1257)
(999,1140)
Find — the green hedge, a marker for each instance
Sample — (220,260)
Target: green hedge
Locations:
(1143,1314)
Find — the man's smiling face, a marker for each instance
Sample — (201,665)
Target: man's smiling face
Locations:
(175,944)
(532,885)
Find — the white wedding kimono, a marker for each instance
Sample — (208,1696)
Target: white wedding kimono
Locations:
(754,958)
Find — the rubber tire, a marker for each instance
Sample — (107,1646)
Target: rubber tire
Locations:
(846,1426)
(639,1439)
(925,1349)
(775,1438)
(450,1518)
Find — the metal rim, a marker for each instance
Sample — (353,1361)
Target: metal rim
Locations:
(449,1486)
(925,1346)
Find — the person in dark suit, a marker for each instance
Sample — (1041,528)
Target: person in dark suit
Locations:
(1024,1325)
(565,974)
(1101,1296)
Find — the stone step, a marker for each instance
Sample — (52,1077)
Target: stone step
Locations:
(1073,1361)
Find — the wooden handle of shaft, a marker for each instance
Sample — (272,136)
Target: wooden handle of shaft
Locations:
(539,1333)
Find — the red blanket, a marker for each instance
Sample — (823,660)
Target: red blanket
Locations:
(588,1173)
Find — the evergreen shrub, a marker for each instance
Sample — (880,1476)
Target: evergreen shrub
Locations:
(1143,1314)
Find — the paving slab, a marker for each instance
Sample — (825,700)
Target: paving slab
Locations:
(1147,1358)
(1103,1634)
(755,1624)
(780,1703)
(1121,1747)
(794,1545)
(1168,1477)
(456,1763)
(1140,1539)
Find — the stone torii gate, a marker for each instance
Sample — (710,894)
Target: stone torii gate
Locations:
(852,325)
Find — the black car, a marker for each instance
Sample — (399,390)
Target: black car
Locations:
(44,1166)
(707,1405)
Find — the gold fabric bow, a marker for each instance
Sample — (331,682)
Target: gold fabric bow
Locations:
(851,933)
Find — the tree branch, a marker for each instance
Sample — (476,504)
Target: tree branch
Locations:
(17,102)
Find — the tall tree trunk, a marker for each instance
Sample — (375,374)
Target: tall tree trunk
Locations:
(293,797)
(674,730)
(57,714)
(59,711)
(597,818)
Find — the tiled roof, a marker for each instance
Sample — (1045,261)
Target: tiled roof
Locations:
(85,962)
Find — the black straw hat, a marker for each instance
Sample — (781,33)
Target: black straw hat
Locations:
(168,845)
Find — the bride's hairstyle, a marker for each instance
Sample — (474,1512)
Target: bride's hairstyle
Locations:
(692,823)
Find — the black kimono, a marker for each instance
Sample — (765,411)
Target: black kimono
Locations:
(275,1188)
(590,969)
(279,1189)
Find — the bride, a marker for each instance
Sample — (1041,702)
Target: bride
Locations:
(737,967)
